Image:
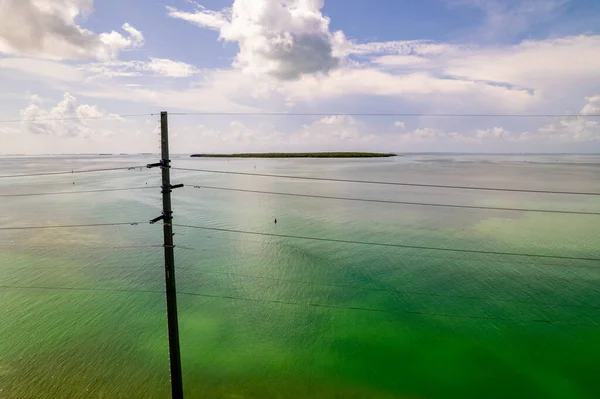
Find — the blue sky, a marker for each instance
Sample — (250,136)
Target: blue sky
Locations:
(85,58)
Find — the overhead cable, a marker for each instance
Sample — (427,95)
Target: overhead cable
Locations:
(79,192)
(416,114)
(310,304)
(388,183)
(392,311)
(390,290)
(397,202)
(74,171)
(74,118)
(472,251)
(68,226)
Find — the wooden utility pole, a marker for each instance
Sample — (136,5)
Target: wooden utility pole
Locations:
(167,218)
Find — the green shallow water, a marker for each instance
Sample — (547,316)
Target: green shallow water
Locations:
(273,317)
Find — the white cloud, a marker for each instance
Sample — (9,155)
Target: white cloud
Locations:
(535,64)
(219,91)
(154,67)
(49,29)
(281,38)
(403,47)
(592,106)
(43,68)
(202,17)
(170,68)
(508,19)
(65,119)
(399,125)
(9,130)
(402,60)
(414,86)
(496,132)
(553,62)
(113,43)
(568,130)
(330,133)
(332,129)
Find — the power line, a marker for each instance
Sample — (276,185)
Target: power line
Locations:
(398,202)
(73,118)
(388,183)
(366,114)
(80,192)
(463,259)
(416,293)
(20,287)
(72,226)
(392,311)
(75,171)
(96,247)
(382,114)
(309,304)
(472,251)
(109,247)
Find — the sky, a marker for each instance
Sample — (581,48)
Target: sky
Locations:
(85,76)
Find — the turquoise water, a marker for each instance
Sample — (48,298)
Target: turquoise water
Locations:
(83,313)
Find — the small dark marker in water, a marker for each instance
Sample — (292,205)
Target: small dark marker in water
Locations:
(275,220)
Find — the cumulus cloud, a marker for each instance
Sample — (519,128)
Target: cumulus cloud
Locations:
(399,125)
(332,129)
(329,133)
(592,106)
(65,119)
(167,67)
(495,132)
(49,29)
(281,38)
(568,130)
(155,66)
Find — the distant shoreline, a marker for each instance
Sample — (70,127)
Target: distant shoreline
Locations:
(299,155)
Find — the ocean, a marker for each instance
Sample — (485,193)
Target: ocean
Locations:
(266,315)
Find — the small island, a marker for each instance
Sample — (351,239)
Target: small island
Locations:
(299,155)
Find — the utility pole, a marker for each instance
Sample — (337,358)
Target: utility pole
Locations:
(171,293)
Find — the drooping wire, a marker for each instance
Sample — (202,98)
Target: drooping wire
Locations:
(390,290)
(68,226)
(72,118)
(379,244)
(21,287)
(376,114)
(391,311)
(108,247)
(80,191)
(387,183)
(446,258)
(74,171)
(398,202)
(310,304)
